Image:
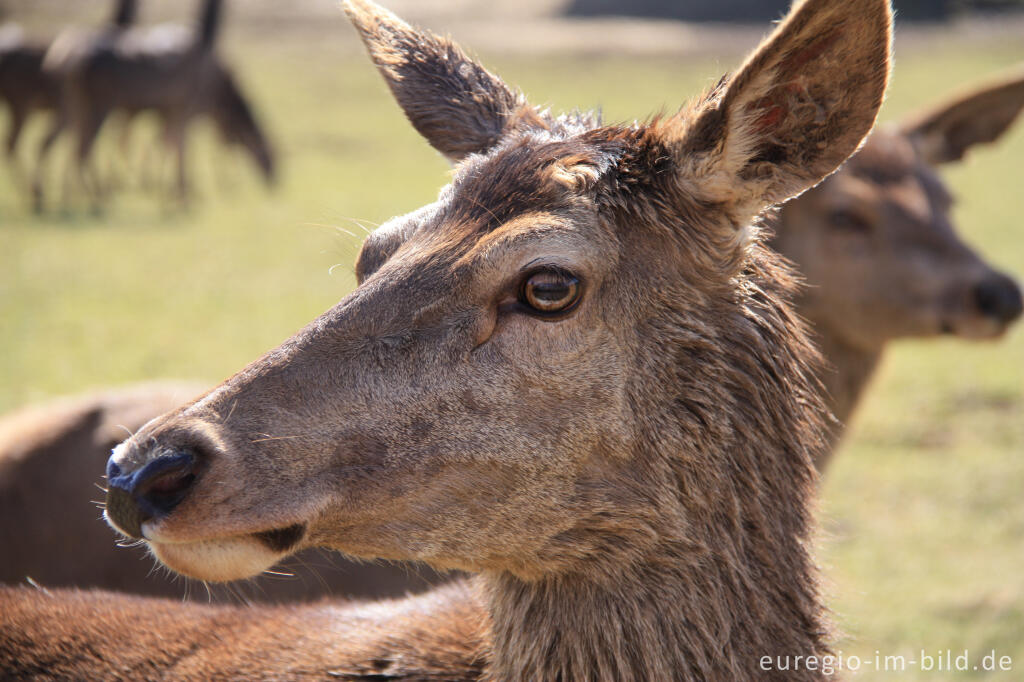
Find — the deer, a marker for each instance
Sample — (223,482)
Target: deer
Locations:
(816,231)
(177,75)
(574,375)
(877,245)
(26,86)
(23,86)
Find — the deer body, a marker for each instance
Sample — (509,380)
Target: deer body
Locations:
(437,636)
(24,86)
(575,375)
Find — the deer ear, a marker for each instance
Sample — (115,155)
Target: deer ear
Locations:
(453,101)
(944,133)
(799,106)
(383,242)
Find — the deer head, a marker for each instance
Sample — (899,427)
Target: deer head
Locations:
(537,367)
(876,241)
(234,118)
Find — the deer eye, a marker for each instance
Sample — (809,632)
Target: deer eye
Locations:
(549,291)
(845,219)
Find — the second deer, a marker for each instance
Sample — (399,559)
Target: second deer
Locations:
(877,245)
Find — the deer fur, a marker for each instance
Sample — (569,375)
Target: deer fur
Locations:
(175,74)
(629,476)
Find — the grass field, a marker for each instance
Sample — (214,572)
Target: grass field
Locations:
(923,511)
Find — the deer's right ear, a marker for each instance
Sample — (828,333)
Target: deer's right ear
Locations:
(453,101)
(382,243)
(799,106)
(945,133)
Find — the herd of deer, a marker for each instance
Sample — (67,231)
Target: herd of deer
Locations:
(83,76)
(577,376)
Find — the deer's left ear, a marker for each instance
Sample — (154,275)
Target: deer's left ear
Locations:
(453,101)
(945,133)
(799,106)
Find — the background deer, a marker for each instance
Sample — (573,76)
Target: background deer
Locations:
(877,245)
(24,84)
(175,74)
(575,374)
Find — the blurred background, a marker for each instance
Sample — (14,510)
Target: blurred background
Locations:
(922,510)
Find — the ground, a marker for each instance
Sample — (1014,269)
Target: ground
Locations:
(922,512)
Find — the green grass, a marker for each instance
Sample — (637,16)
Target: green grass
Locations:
(923,510)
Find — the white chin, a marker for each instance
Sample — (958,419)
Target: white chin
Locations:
(216,560)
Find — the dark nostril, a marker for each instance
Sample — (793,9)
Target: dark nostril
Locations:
(999,298)
(153,490)
(164,481)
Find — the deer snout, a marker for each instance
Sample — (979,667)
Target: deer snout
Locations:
(149,491)
(999,298)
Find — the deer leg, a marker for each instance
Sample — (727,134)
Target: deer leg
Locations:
(18,115)
(88,130)
(123,165)
(57,126)
(174,136)
(152,160)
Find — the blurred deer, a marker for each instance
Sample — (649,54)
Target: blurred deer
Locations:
(23,85)
(177,75)
(574,374)
(877,245)
(26,86)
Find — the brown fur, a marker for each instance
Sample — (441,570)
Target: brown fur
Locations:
(176,74)
(877,245)
(631,478)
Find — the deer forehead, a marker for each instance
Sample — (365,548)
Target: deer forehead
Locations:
(886,157)
(528,172)
(524,191)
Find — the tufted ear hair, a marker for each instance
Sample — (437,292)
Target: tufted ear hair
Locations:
(799,106)
(453,101)
(981,115)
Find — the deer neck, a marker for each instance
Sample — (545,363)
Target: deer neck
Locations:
(847,372)
(724,580)
(697,617)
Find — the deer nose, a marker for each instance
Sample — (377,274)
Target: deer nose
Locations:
(999,298)
(151,491)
